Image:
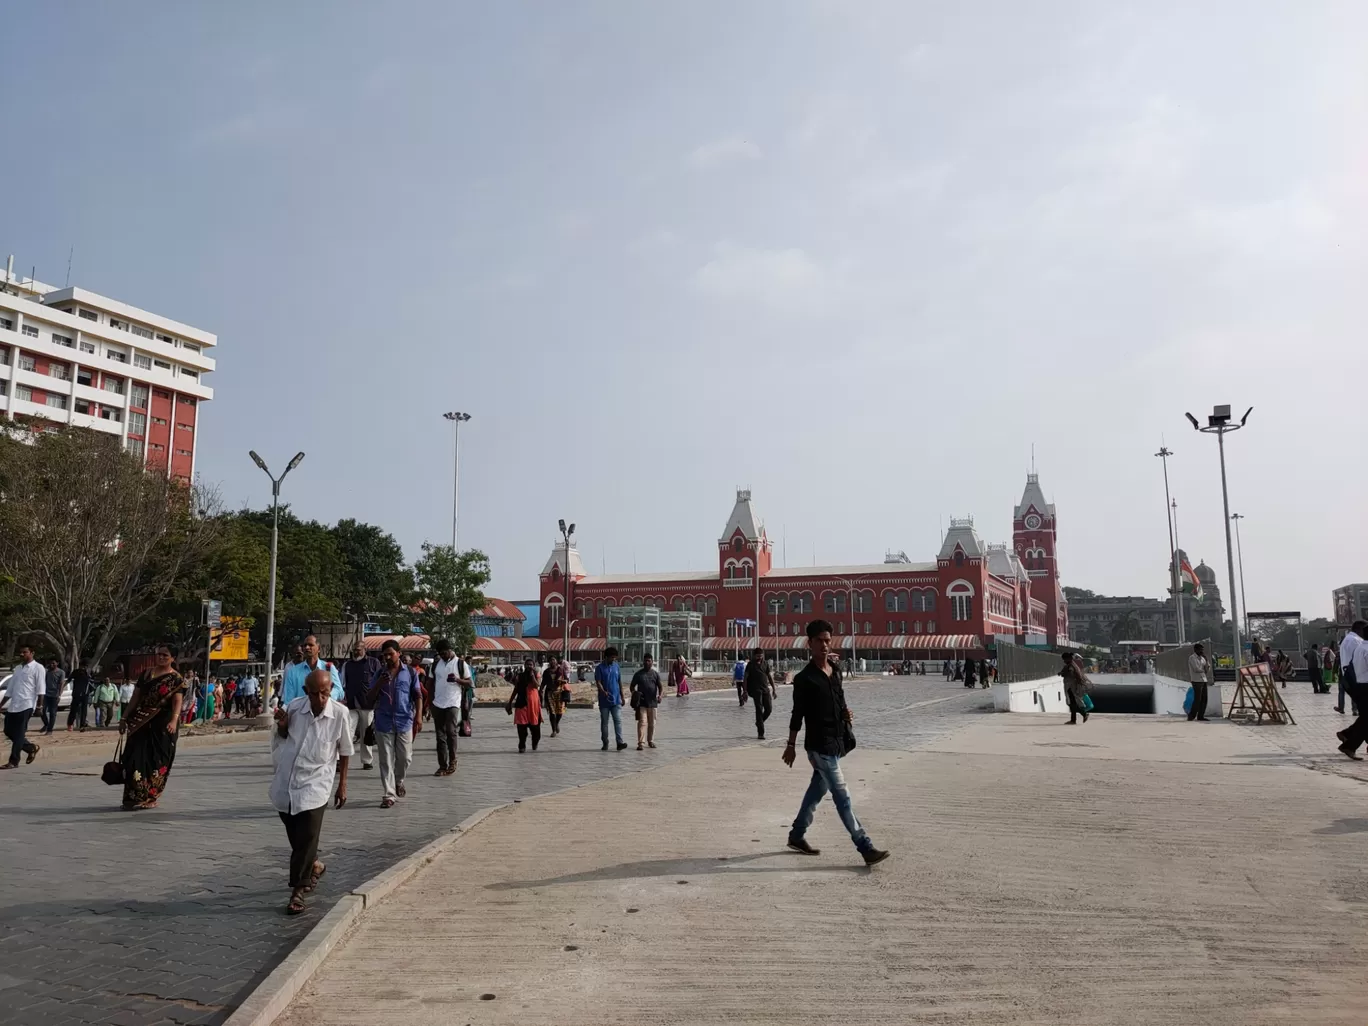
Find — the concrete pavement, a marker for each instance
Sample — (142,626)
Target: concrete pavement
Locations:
(1131,870)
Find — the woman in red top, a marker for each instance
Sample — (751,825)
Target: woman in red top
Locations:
(525,705)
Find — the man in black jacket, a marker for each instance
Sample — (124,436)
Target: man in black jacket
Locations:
(819,700)
(760,687)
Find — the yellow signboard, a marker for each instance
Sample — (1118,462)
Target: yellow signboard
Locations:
(230,641)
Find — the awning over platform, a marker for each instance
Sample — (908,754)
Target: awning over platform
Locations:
(859,642)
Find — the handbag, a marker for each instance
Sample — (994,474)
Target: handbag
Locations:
(368,738)
(1087,703)
(847,738)
(113,772)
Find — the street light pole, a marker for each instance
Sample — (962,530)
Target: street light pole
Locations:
(1218,424)
(1175,588)
(457,418)
(1182,630)
(1239,553)
(275,538)
(566,534)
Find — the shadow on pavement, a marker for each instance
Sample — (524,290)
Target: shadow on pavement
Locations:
(681,867)
(1345,826)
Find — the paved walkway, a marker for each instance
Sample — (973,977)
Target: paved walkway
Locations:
(172,916)
(1131,870)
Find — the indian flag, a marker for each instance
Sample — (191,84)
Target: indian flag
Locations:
(1190,584)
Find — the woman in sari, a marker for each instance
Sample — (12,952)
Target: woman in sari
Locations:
(1076,686)
(150,730)
(679,675)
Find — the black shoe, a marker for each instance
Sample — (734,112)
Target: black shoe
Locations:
(1202,719)
(1339,709)
(1350,753)
(621,745)
(874,856)
(1343,735)
(760,737)
(605,747)
(802,847)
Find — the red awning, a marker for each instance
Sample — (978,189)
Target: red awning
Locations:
(859,642)
(420,643)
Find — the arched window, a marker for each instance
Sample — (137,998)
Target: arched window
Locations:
(961,595)
(868,628)
(688,604)
(778,603)
(840,627)
(895,601)
(738,545)
(834,602)
(555,610)
(801,603)
(600,611)
(783,628)
(679,605)
(743,569)
(959,557)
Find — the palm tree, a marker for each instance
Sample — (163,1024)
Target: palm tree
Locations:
(1126,626)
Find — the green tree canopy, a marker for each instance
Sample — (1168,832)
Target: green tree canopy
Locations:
(450,588)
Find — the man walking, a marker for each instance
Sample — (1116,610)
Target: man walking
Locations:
(26,687)
(760,687)
(80,697)
(739,679)
(1346,666)
(448,686)
(1354,680)
(292,686)
(310,748)
(53,680)
(646,691)
(398,701)
(1199,676)
(1313,671)
(125,696)
(248,688)
(819,701)
(357,674)
(608,680)
(106,695)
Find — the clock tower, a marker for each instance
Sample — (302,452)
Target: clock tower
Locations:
(1033,536)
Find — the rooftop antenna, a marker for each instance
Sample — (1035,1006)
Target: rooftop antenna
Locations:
(1033,470)
(70,253)
(785,529)
(603,560)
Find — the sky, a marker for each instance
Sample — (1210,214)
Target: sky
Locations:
(860,258)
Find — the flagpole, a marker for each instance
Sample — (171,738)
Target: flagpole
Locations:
(1182,636)
(1175,571)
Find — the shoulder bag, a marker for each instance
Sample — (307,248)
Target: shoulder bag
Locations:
(113,772)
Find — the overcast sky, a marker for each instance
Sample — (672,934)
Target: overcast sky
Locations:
(857,257)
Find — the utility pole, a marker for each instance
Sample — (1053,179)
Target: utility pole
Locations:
(275,538)
(457,418)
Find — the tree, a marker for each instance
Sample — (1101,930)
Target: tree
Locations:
(1079,594)
(89,541)
(450,589)
(1126,627)
(374,578)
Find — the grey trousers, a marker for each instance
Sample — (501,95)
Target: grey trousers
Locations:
(360,720)
(396,752)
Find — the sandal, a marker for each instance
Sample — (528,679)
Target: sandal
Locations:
(296,906)
(313,880)
(399,790)
(387,802)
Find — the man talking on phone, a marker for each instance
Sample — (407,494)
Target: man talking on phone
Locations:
(449,679)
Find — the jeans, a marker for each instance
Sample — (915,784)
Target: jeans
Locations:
(1200,690)
(303,828)
(615,712)
(50,712)
(763,708)
(16,727)
(827,776)
(396,752)
(445,723)
(80,703)
(360,720)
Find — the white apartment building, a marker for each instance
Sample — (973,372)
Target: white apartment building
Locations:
(74,357)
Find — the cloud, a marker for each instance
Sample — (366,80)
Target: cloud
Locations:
(895,188)
(731,149)
(787,280)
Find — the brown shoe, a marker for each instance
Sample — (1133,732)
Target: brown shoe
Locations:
(33,754)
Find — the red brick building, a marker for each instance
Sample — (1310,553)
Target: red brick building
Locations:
(954,604)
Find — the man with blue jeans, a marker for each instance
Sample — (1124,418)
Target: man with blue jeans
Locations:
(819,700)
(608,680)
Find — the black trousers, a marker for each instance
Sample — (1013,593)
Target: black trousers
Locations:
(1075,707)
(447,724)
(1200,691)
(555,719)
(80,701)
(523,730)
(303,828)
(50,712)
(1357,732)
(763,708)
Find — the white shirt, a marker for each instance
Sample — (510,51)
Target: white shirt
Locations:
(306,761)
(1360,657)
(447,694)
(27,686)
(126,691)
(1197,669)
(1346,652)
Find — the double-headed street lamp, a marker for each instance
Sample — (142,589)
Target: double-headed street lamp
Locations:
(457,418)
(1219,424)
(566,534)
(275,534)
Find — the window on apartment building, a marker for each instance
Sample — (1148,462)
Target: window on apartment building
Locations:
(161,365)
(114,385)
(57,402)
(6,323)
(87,347)
(111,413)
(135,446)
(144,362)
(137,423)
(182,452)
(161,393)
(4,387)
(83,406)
(159,421)
(60,371)
(137,396)
(190,346)
(166,338)
(114,322)
(25,362)
(140,331)
(63,340)
(186,400)
(186,372)
(31,330)
(89,315)
(84,376)
(23,392)
(116,356)
(156,447)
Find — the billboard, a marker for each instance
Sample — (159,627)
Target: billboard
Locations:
(229,641)
(1350,604)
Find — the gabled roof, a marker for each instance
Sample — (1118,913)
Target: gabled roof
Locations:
(961,534)
(1003,562)
(558,559)
(502,609)
(1033,496)
(743,519)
